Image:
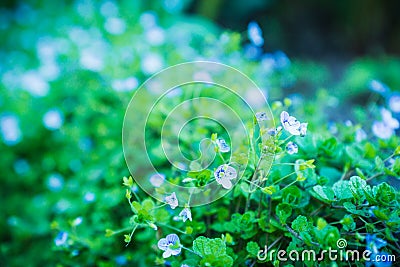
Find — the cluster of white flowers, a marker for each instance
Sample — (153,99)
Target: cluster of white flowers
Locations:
(385,129)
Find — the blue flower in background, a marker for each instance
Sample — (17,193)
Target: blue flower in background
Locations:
(394,102)
(377,258)
(261,116)
(61,239)
(386,128)
(255,34)
(378,87)
(361,135)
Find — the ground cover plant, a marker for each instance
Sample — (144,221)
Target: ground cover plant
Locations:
(317,171)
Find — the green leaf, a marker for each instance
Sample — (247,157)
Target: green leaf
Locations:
(136,206)
(384,194)
(212,251)
(397,151)
(205,246)
(128,181)
(283,210)
(379,164)
(348,223)
(300,224)
(350,207)
(269,190)
(396,167)
(325,193)
(148,204)
(356,187)
(252,248)
(341,189)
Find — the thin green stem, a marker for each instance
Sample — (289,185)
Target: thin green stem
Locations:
(172,228)
(130,236)
(284,177)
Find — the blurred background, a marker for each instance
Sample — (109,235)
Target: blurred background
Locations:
(69,68)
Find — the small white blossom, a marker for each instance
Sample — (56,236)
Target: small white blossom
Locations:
(172,200)
(61,239)
(261,116)
(53,119)
(290,123)
(222,145)
(224,174)
(170,245)
(386,128)
(292,148)
(381,130)
(157,179)
(77,221)
(394,103)
(115,26)
(10,130)
(255,34)
(186,214)
(378,86)
(361,135)
(303,129)
(388,119)
(272,131)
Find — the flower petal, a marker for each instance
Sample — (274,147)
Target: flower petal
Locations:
(226,183)
(172,239)
(162,244)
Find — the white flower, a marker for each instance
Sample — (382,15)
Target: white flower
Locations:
(157,179)
(292,148)
(386,128)
(272,131)
(186,214)
(53,119)
(290,123)
(388,119)
(255,34)
(172,200)
(170,245)
(381,130)
(222,145)
(303,128)
(115,26)
(224,174)
(360,135)
(261,116)
(394,103)
(378,86)
(10,130)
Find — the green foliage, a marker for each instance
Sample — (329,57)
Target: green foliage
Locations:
(212,251)
(62,189)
